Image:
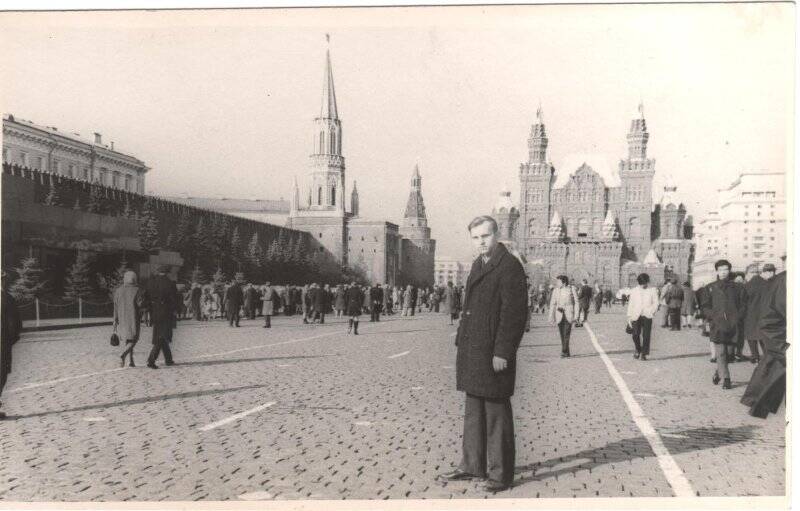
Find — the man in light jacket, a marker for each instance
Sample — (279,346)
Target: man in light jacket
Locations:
(642,305)
(563,310)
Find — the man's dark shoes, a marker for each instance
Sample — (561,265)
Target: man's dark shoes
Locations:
(636,355)
(643,357)
(715,379)
(152,365)
(170,363)
(726,383)
(495,486)
(2,415)
(456,475)
(713,360)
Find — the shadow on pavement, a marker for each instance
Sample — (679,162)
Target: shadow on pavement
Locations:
(685,355)
(237,360)
(137,401)
(631,448)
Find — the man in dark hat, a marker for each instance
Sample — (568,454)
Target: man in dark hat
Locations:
(491,328)
(161,298)
(11,328)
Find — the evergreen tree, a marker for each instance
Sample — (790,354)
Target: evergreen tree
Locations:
(184,234)
(148,228)
(203,240)
(53,198)
(219,238)
(255,257)
(128,211)
(283,253)
(111,282)
(95,204)
(198,275)
(236,247)
(29,283)
(78,278)
(170,244)
(77,206)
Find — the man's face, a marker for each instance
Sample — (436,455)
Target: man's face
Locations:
(483,239)
(559,283)
(723,272)
(766,275)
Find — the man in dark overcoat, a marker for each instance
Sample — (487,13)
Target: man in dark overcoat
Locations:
(376,297)
(492,325)
(161,298)
(767,386)
(233,300)
(585,293)
(11,329)
(319,299)
(354,300)
(757,295)
(196,294)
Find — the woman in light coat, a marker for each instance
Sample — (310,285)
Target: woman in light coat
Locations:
(127,312)
(408,301)
(271,302)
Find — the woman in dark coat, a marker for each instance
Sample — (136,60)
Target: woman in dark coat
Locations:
(11,329)
(339,301)
(128,300)
(724,305)
(354,298)
(688,305)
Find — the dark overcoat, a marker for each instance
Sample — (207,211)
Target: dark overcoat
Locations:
(689,303)
(492,324)
(767,386)
(233,300)
(757,297)
(724,306)
(161,299)
(354,298)
(11,329)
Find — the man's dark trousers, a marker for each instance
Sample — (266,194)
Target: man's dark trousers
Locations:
(376,312)
(488,430)
(642,328)
(234,318)
(564,331)
(674,318)
(163,345)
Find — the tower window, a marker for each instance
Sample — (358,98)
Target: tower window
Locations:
(333,143)
(321,142)
(333,195)
(319,196)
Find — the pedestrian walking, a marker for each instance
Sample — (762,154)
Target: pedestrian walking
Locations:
(597,296)
(161,300)
(250,301)
(674,301)
(663,293)
(355,300)
(642,306)
(489,333)
(339,301)
(11,330)
(688,305)
(270,300)
(584,300)
(376,299)
(767,387)
(563,311)
(197,294)
(408,302)
(724,305)
(128,300)
(757,295)
(321,303)
(234,297)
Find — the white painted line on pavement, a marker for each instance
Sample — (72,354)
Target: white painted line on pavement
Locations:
(397,355)
(290,341)
(61,380)
(235,417)
(363,423)
(644,394)
(95,419)
(675,476)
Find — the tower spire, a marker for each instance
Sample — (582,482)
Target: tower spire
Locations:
(328,109)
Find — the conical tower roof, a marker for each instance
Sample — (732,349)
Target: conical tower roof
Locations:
(415,207)
(328,109)
(556,231)
(610,226)
(651,259)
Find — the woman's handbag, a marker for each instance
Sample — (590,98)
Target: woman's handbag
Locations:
(628,329)
(115,337)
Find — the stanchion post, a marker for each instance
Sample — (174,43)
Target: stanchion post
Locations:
(37,311)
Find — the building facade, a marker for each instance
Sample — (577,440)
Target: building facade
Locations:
(589,228)
(748,227)
(378,250)
(448,269)
(68,154)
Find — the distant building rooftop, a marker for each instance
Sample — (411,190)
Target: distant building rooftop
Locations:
(224,204)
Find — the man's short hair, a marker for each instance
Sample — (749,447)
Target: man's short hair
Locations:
(564,279)
(483,219)
(643,278)
(721,263)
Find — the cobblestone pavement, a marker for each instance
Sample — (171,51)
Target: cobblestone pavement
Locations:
(324,415)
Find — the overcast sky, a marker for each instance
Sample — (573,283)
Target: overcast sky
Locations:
(222,102)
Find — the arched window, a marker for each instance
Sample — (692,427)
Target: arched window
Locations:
(333,142)
(634,228)
(319,196)
(333,195)
(321,142)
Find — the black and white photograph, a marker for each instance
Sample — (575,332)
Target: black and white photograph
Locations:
(444,256)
